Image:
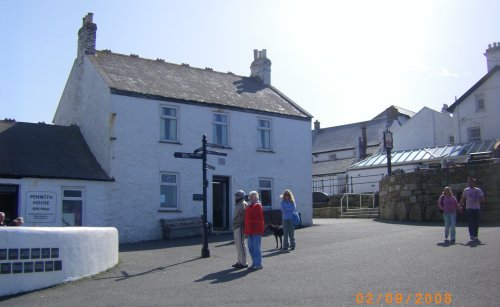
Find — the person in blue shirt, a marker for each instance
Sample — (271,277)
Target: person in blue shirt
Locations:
(287,209)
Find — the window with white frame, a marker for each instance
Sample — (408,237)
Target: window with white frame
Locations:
(169,186)
(72,207)
(169,123)
(266,192)
(474,134)
(264,133)
(480,102)
(220,129)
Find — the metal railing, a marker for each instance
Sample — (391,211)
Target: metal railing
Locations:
(339,184)
(346,196)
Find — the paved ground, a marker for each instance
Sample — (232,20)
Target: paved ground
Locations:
(336,261)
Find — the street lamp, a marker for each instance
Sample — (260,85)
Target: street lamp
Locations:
(388,144)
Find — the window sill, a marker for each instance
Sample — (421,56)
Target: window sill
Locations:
(266,150)
(170,142)
(170,210)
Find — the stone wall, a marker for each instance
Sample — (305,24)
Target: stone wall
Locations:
(413,196)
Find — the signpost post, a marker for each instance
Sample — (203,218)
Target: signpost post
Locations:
(201,153)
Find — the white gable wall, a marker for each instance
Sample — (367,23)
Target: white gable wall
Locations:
(85,102)
(488,120)
(426,128)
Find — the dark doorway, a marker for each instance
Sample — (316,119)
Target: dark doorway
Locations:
(9,201)
(220,202)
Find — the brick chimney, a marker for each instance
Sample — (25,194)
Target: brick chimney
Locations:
(87,36)
(261,66)
(492,55)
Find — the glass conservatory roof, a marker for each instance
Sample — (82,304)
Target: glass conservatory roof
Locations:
(410,156)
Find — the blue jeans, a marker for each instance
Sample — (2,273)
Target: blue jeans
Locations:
(450,220)
(254,250)
(288,233)
(473,218)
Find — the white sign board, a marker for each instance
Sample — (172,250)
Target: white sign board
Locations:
(41,207)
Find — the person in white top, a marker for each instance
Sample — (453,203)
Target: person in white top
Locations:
(472,197)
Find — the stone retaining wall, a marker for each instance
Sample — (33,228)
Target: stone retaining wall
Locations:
(413,196)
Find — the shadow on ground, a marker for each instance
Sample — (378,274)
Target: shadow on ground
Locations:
(224,275)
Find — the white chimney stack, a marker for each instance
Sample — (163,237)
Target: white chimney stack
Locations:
(493,55)
(261,66)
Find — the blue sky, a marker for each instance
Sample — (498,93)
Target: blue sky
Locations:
(343,61)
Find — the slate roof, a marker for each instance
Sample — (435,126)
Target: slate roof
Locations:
(346,136)
(473,88)
(331,167)
(157,79)
(46,151)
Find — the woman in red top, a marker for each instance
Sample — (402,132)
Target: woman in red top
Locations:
(254,229)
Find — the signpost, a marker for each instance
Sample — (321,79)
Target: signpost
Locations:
(201,153)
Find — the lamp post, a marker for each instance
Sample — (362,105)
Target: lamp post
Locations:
(388,144)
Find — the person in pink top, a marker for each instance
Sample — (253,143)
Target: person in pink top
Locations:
(449,204)
(471,198)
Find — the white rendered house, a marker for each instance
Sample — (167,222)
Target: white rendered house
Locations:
(476,113)
(135,113)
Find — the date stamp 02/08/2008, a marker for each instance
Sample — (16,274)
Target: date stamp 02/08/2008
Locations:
(400,298)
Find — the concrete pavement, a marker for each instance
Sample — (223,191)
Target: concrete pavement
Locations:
(338,262)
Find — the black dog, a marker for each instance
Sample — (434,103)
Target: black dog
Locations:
(277,232)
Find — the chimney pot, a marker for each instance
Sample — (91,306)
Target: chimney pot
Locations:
(89,18)
(255,54)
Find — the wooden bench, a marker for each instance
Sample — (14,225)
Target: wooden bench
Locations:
(181,227)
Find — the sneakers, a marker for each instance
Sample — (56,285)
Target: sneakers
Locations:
(255,268)
(239,266)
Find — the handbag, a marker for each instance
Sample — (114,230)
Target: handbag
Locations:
(296,218)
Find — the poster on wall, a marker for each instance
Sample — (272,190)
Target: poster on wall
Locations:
(41,207)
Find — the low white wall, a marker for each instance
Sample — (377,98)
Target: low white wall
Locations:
(37,257)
